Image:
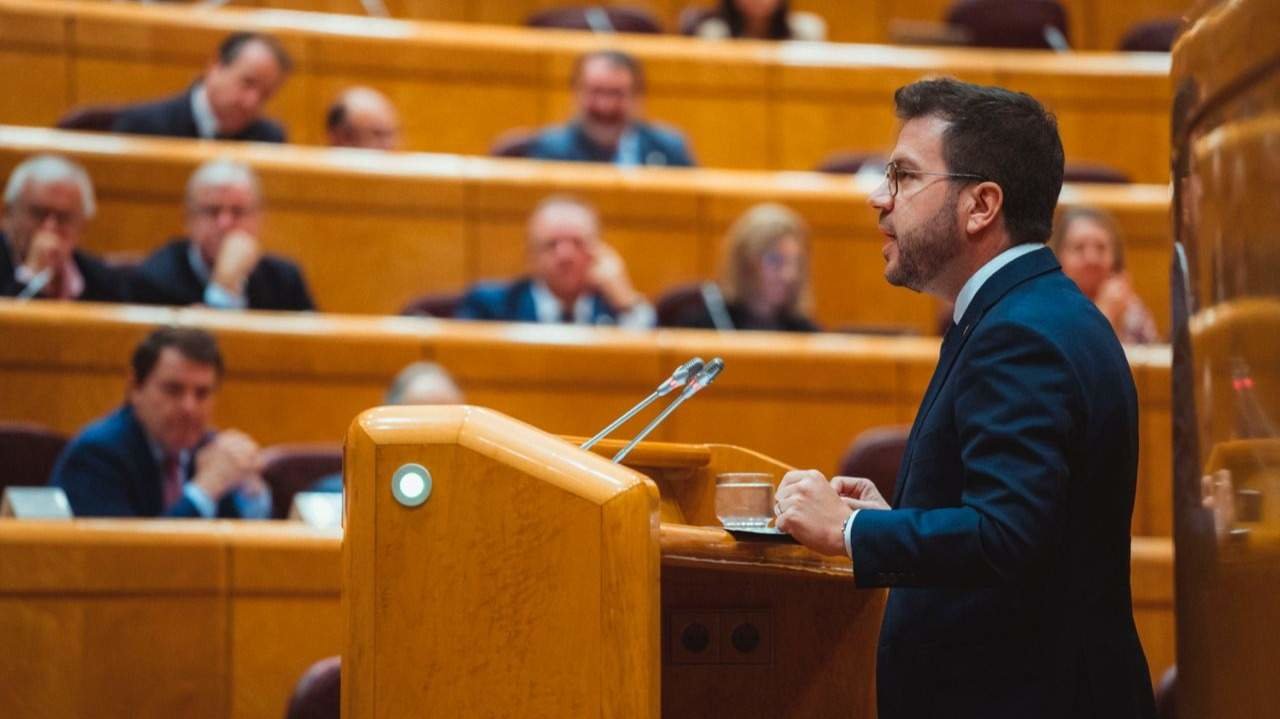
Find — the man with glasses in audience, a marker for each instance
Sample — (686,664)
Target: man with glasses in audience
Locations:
(47,202)
(158,455)
(574,277)
(1006,544)
(608,87)
(226,103)
(220,263)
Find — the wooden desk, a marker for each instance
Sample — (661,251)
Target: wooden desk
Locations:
(1094,24)
(293,377)
(743,105)
(146,619)
(433,223)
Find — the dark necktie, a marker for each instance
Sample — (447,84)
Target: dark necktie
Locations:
(172,480)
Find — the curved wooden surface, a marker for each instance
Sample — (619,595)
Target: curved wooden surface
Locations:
(433,223)
(743,105)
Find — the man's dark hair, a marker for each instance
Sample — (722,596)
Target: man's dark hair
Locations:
(1006,137)
(779,25)
(234,43)
(336,116)
(194,344)
(617,58)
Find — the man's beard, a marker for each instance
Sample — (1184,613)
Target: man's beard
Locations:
(926,250)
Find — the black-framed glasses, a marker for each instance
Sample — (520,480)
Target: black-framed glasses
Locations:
(893,174)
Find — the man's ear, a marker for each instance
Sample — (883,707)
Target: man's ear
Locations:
(986,199)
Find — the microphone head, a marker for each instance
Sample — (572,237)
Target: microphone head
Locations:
(681,376)
(705,377)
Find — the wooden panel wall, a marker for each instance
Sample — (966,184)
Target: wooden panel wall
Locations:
(743,105)
(799,399)
(371,230)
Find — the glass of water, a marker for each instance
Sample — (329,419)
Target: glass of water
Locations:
(744,500)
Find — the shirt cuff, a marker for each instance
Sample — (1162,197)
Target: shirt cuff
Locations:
(254,507)
(205,506)
(848,534)
(640,317)
(217,296)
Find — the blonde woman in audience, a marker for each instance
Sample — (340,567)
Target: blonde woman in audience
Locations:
(1088,244)
(764,277)
(761,20)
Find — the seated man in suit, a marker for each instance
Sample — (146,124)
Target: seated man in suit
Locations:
(363,117)
(608,86)
(157,455)
(47,202)
(221,263)
(226,102)
(574,277)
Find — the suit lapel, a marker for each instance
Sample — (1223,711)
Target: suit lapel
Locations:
(996,287)
(147,477)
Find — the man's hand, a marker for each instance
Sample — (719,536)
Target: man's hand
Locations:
(608,276)
(48,251)
(809,509)
(236,259)
(859,493)
(230,460)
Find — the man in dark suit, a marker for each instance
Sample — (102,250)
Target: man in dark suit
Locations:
(226,102)
(221,263)
(156,455)
(1007,543)
(608,86)
(47,202)
(574,277)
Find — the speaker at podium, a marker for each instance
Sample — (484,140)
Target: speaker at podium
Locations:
(492,569)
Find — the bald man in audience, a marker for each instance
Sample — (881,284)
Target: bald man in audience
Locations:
(48,200)
(226,102)
(608,89)
(574,277)
(363,117)
(220,263)
(158,455)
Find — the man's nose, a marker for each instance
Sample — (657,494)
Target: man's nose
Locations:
(880,197)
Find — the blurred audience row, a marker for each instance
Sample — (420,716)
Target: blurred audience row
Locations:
(573,275)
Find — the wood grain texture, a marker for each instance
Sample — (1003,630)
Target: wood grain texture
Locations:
(743,105)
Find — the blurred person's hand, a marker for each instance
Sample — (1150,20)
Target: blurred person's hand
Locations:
(237,257)
(232,459)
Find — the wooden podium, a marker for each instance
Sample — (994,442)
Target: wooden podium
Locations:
(536,579)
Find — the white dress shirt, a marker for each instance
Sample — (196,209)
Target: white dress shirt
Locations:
(202,111)
(548,309)
(215,295)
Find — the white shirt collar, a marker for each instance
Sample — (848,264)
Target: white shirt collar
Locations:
(547,306)
(202,111)
(984,273)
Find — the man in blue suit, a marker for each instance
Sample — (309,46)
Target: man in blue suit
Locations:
(574,277)
(608,86)
(1007,542)
(156,455)
(226,102)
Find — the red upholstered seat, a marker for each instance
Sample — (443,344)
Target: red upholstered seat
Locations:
(1008,23)
(692,17)
(27,454)
(318,693)
(292,468)
(597,19)
(98,118)
(678,302)
(513,143)
(876,454)
(850,162)
(438,304)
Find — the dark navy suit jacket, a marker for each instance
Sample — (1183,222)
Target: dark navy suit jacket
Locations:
(657,146)
(110,471)
(167,278)
(172,117)
(1008,546)
(101,282)
(513,302)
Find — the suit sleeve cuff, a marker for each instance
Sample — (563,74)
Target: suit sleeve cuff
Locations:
(217,296)
(200,500)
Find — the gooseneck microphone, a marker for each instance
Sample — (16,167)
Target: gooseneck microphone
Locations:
(695,385)
(678,379)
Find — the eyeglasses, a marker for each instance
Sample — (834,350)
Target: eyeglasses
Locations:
(894,174)
(40,214)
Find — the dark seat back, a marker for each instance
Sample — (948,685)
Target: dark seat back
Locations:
(849,163)
(1151,35)
(1008,23)
(1093,172)
(692,17)
(514,143)
(677,302)
(97,118)
(27,454)
(438,304)
(877,454)
(318,694)
(292,468)
(597,19)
